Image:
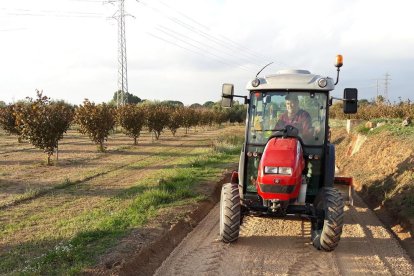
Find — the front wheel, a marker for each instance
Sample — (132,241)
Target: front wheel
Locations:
(327,228)
(229,213)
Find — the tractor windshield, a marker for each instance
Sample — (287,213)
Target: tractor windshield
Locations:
(272,111)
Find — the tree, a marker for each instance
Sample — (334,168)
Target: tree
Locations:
(128,97)
(176,119)
(158,118)
(221,116)
(189,118)
(206,117)
(2,104)
(208,104)
(173,103)
(380,99)
(43,122)
(96,121)
(132,118)
(8,121)
(363,102)
(196,105)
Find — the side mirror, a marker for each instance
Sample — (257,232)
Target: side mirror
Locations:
(350,100)
(227,95)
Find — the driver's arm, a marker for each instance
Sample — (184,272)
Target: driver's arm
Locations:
(281,122)
(306,122)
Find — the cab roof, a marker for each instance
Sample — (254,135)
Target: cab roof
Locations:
(291,79)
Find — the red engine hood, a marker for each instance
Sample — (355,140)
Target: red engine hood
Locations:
(281,152)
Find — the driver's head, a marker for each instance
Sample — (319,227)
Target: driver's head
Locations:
(292,104)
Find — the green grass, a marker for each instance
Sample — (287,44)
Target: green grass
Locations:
(392,126)
(336,123)
(81,239)
(362,129)
(395,130)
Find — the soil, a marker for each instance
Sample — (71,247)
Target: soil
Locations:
(144,250)
(371,244)
(282,247)
(84,180)
(184,240)
(382,166)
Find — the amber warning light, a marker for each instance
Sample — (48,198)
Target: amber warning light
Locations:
(339,61)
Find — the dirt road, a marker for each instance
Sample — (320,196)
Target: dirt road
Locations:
(282,247)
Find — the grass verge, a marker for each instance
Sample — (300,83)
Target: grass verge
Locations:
(94,232)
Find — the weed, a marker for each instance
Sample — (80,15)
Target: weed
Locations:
(362,129)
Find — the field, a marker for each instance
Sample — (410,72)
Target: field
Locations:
(61,218)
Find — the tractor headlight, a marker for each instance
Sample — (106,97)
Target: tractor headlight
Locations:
(322,82)
(278,170)
(285,170)
(255,82)
(272,170)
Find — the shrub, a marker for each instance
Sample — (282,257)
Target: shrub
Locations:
(8,120)
(158,118)
(43,122)
(379,109)
(176,119)
(96,121)
(189,118)
(132,118)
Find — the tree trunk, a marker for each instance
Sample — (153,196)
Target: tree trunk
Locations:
(101,147)
(157,135)
(135,140)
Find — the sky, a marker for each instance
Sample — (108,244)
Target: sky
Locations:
(185,50)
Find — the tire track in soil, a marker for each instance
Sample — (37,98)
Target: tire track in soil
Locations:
(269,246)
(203,256)
(376,255)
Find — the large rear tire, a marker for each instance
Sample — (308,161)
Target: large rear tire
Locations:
(229,213)
(327,229)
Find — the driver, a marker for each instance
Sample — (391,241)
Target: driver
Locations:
(295,116)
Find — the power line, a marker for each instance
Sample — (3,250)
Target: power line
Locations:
(221,42)
(184,15)
(195,52)
(29,12)
(226,39)
(12,29)
(185,39)
(88,1)
(55,15)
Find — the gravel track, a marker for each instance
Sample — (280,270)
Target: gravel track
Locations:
(282,247)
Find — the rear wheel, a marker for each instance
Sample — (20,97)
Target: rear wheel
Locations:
(327,229)
(229,213)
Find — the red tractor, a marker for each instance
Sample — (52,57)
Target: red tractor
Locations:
(287,163)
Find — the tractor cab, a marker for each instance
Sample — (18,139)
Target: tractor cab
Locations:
(287,163)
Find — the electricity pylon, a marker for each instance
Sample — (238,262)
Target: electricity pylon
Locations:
(122,55)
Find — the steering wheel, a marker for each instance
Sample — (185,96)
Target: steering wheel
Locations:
(287,131)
